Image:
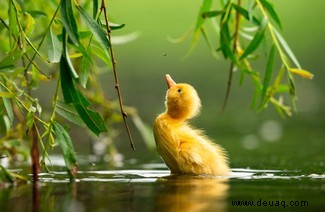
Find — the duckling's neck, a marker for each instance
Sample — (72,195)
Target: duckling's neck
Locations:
(175,118)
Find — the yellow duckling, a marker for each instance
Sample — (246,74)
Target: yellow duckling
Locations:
(184,149)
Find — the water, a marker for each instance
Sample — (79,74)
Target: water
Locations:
(150,187)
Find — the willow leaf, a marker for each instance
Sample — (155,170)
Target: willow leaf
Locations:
(34,79)
(95,8)
(54,49)
(13,26)
(302,73)
(7,104)
(287,48)
(268,74)
(268,6)
(7,63)
(205,6)
(254,44)
(225,40)
(94,28)
(92,119)
(100,53)
(211,14)
(292,91)
(5,175)
(68,112)
(66,56)
(84,70)
(246,14)
(115,26)
(69,21)
(69,155)
(37,13)
(66,83)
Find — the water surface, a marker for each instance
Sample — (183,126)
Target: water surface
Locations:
(150,187)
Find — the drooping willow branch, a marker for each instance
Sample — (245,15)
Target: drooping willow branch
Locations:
(232,64)
(117,85)
(262,23)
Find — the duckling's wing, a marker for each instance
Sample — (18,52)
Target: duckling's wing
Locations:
(190,157)
(198,155)
(167,144)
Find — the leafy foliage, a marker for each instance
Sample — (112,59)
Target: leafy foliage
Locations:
(242,28)
(37,39)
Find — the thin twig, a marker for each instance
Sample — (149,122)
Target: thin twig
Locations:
(117,86)
(232,65)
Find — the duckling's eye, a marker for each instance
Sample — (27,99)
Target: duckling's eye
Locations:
(179,90)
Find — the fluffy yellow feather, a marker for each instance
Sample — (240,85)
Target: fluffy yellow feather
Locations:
(186,150)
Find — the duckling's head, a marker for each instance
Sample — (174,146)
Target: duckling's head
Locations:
(182,100)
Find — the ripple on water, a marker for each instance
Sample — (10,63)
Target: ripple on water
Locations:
(147,176)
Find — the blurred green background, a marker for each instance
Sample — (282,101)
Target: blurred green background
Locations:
(253,139)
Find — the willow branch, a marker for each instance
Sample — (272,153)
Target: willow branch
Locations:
(117,86)
(232,64)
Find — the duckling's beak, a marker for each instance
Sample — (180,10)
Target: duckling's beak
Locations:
(170,81)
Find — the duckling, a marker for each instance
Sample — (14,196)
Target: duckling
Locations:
(184,149)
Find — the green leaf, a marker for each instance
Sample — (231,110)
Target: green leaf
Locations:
(84,70)
(30,117)
(8,107)
(205,6)
(84,34)
(13,26)
(7,63)
(66,81)
(112,26)
(12,143)
(69,21)
(211,14)
(287,48)
(68,152)
(268,74)
(227,51)
(37,13)
(115,26)
(92,119)
(100,53)
(254,44)
(54,47)
(29,25)
(94,28)
(34,48)
(282,89)
(209,42)
(35,78)
(292,91)
(66,56)
(7,103)
(68,112)
(5,175)
(95,8)
(7,94)
(268,6)
(246,14)
(225,40)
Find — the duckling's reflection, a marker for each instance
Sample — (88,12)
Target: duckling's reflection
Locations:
(192,193)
